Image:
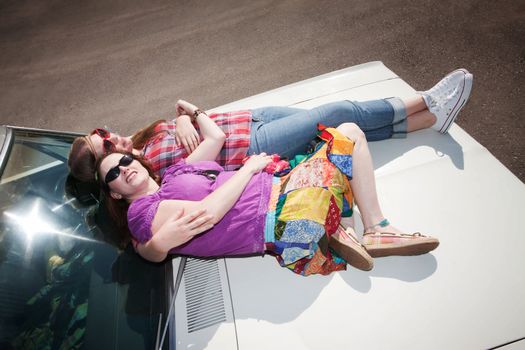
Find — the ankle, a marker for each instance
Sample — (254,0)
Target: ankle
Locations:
(421,120)
(432,120)
(429,119)
(376,223)
(414,104)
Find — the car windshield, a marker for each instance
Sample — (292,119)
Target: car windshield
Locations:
(61,285)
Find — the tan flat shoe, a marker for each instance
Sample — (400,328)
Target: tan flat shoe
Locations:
(346,245)
(379,244)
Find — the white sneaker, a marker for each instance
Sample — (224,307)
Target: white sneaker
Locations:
(447,97)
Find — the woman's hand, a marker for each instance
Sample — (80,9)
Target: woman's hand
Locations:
(186,134)
(184,107)
(179,228)
(258,162)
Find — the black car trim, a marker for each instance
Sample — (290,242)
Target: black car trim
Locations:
(508,343)
(6,148)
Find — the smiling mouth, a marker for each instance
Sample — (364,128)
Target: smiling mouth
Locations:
(130,176)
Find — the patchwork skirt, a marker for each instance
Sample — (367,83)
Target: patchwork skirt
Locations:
(306,206)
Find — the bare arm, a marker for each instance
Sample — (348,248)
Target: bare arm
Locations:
(220,201)
(185,133)
(176,230)
(213,136)
(166,235)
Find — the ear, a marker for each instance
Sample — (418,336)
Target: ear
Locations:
(115,195)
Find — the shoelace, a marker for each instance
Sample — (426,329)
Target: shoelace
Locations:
(433,103)
(441,94)
(438,102)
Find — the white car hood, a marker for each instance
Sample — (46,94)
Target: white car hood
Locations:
(467,294)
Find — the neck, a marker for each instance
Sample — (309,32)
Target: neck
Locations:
(134,151)
(150,188)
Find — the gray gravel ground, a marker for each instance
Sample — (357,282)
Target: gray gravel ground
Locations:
(74,65)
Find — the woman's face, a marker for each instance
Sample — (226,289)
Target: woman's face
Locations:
(120,143)
(126,179)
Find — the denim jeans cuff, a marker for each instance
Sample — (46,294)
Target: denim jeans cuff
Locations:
(399,130)
(398,106)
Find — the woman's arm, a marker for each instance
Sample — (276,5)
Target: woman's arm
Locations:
(165,227)
(177,230)
(213,136)
(185,133)
(220,201)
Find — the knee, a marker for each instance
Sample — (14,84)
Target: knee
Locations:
(352,131)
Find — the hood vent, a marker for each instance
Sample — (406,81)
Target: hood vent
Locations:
(204,294)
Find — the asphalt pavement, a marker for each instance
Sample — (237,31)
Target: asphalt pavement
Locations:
(75,65)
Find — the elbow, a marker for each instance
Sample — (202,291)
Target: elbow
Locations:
(218,139)
(157,252)
(221,136)
(155,259)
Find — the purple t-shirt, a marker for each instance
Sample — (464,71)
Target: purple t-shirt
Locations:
(241,230)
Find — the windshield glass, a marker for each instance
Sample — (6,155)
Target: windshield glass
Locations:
(61,285)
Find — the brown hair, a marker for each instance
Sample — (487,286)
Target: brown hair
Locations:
(82,160)
(118,208)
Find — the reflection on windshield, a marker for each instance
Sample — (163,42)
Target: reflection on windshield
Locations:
(33,155)
(57,281)
(34,222)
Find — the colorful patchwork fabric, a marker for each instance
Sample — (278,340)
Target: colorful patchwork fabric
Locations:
(306,206)
(302,231)
(315,173)
(309,203)
(333,217)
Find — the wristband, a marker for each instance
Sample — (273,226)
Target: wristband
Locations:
(196,114)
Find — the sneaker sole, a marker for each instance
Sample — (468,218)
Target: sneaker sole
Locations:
(403,249)
(352,255)
(467,88)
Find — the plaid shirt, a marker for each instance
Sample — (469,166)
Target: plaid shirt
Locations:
(162,150)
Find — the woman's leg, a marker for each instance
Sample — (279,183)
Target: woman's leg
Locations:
(414,104)
(363,180)
(380,238)
(418,115)
(420,120)
(269,114)
(292,134)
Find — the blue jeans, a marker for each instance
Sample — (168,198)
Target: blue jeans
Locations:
(289,131)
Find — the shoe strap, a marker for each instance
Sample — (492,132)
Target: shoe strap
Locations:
(392,234)
(382,223)
(348,235)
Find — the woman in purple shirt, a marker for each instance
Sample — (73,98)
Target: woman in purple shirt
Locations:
(295,217)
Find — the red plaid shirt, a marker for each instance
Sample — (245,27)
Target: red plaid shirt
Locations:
(162,150)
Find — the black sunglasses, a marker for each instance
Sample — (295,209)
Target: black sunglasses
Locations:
(114,172)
